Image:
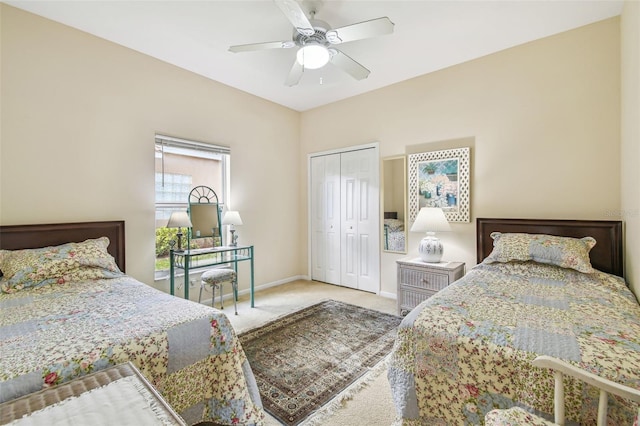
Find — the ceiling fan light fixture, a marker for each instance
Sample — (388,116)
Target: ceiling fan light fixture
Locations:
(313,56)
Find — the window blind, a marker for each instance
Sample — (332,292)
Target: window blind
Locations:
(173,142)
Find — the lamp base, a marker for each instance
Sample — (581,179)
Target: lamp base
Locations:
(179,237)
(430,249)
(234,238)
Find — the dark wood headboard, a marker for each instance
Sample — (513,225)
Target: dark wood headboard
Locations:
(606,256)
(15,237)
(390,215)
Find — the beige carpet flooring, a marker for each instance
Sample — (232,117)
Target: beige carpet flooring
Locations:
(370,402)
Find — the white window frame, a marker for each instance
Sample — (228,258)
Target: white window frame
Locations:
(180,146)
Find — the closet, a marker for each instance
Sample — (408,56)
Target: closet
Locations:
(344,218)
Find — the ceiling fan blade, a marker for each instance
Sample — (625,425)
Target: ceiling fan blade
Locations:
(350,66)
(295,74)
(262,46)
(366,29)
(296,16)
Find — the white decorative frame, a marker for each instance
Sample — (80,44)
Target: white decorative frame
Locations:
(440,179)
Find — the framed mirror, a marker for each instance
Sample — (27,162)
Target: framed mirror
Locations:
(394,202)
(204,220)
(204,212)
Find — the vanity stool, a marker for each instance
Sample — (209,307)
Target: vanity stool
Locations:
(215,278)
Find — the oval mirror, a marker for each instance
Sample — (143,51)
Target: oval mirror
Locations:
(394,202)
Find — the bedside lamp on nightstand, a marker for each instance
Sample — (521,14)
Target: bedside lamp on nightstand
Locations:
(430,220)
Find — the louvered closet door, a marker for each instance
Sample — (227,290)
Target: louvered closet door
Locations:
(325,218)
(360,243)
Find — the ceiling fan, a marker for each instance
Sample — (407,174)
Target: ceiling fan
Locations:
(315,40)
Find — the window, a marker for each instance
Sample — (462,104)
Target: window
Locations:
(180,165)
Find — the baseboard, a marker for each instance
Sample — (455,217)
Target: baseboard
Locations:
(265,286)
(389,295)
(274,283)
(258,288)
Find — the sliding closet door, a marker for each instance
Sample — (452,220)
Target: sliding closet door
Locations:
(359,212)
(344,218)
(325,218)
(349,223)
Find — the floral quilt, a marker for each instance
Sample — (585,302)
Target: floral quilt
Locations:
(189,352)
(468,349)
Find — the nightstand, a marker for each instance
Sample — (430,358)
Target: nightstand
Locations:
(417,280)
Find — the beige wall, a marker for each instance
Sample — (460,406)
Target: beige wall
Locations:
(79,116)
(543,120)
(630,147)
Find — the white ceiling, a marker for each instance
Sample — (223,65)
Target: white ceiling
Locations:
(429,35)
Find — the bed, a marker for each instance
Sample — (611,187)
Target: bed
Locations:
(70,310)
(394,235)
(468,349)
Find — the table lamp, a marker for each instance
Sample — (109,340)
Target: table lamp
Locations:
(232,218)
(430,220)
(179,220)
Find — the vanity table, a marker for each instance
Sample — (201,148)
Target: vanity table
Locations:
(204,212)
(200,259)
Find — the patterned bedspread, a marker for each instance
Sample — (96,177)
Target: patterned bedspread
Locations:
(189,352)
(467,350)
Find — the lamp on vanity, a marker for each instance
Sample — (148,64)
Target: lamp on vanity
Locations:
(179,220)
(232,218)
(430,220)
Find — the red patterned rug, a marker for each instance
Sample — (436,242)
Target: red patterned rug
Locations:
(303,360)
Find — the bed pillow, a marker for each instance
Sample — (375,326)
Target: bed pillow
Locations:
(57,264)
(566,252)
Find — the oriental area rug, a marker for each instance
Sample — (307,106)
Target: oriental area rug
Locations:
(303,360)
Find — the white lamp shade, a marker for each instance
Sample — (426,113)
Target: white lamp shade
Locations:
(313,56)
(231,217)
(430,219)
(179,220)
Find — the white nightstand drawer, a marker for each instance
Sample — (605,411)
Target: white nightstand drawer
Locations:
(412,298)
(422,279)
